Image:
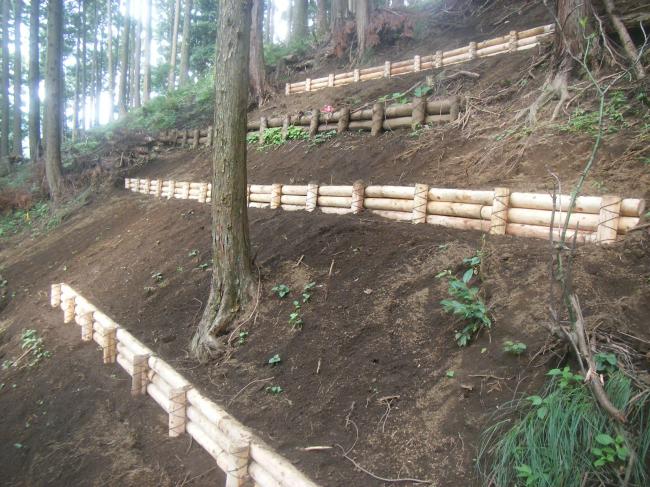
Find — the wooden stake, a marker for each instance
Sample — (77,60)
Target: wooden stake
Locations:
(437,63)
(171,188)
(312,196)
(195,141)
(608,219)
(177,410)
(263,126)
(210,136)
(357,197)
(186,135)
(499,218)
(55,295)
(355,75)
(344,120)
(419,113)
(308,84)
(387,66)
(140,379)
(68,308)
(86,324)
(203,192)
(420,201)
(287,89)
(110,344)
(314,122)
(330,80)
(158,190)
(276,196)
(417,63)
(286,121)
(513,38)
(454,111)
(237,475)
(472,50)
(377,119)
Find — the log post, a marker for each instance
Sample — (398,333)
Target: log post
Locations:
(287,89)
(454,109)
(109,346)
(147,186)
(513,41)
(140,377)
(203,192)
(419,112)
(286,121)
(610,209)
(330,80)
(308,84)
(263,126)
(86,324)
(420,201)
(358,189)
(387,66)
(186,136)
(276,196)
(313,122)
(186,191)
(377,119)
(172,136)
(126,183)
(159,185)
(172,188)
(195,141)
(356,76)
(312,197)
(55,295)
(499,218)
(210,136)
(237,475)
(344,120)
(417,63)
(472,50)
(177,410)
(68,309)
(437,61)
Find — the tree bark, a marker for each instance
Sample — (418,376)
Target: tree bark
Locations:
(84,67)
(4,91)
(322,26)
(34,80)
(232,279)
(362,16)
(299,30)
(171,80)
(185,47)
(146,92)
(397,3)
(111,61)
(259,87)
(137,54)
(18,83)
(338,14)
(97,66)
(77,76)
(124,64)
(54,98)
(268,29)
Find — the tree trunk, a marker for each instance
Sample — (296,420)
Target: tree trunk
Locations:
(147,54)
(362,16)
(268,28)
(77,76)
(338,14)
(322,26)
(97,65)
(111,61)
(137,54)
(232,279)
(257,69)
(185,47)
(299,30)
(54,97)
(84,67)
(34,80)
(122,100)
(18,83)
(397,3)
(4,82)
(171,80)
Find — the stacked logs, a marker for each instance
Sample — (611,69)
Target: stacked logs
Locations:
(237,451)
(498,212)
(376,119)
(513,42)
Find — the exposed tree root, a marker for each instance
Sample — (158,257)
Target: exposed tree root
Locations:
(556,86)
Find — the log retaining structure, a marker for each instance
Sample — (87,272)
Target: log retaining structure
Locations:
(241,455)
(377,119)
(595,219)
(514,41)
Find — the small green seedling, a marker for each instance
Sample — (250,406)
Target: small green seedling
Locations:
(243,335)
(193,253)
(566,377)
(204,266)
(606,363)
(514,348)
(281,290)
(610,450)
(274,390)
(275,360)
(541,405)
(157,276)
(307,291)
(450,374)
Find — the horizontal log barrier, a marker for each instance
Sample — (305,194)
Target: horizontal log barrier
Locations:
(513,42)
(237,451)
(600,219)
(406,115)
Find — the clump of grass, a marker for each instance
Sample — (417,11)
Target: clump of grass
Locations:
(562,437)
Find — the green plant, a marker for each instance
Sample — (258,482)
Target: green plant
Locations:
(275,390)
(606,362)
(450,374)
(243,335)
(515,348)
(294,317)
(467,303)
(398,97)
(193,253)
(33,347)
(610,450)
(307,291)
(204,267)
(322,137)
(157,276)
(275,360)
(296,133)
(253,138)
(422,91)
(281,290)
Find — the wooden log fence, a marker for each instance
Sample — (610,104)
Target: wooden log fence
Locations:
(514,41)
(377,119)
(241,455)
(595,219)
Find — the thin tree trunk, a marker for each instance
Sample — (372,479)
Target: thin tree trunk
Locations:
(84,68)
(122,100)
(338,15)
(268,28)
(147,54)
(171,80)
(34,80)
(232,278)
(97,65)
(111,61)
(322,26)
(362,16)
(299,31)
(185,47)
(257,69)
(54,98)
(4,88)
(137,54)
(18,83)
(77,77)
